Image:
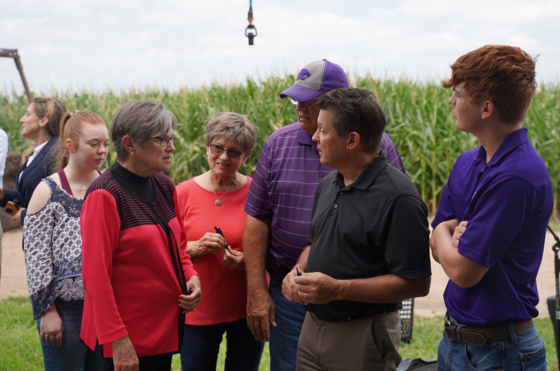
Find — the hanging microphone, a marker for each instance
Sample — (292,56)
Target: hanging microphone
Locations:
(250,31)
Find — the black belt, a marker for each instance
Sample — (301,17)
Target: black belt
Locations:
(346,319)
(480,336)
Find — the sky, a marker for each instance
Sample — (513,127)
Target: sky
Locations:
(108,44)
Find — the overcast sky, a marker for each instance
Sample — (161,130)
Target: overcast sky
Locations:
(117,44)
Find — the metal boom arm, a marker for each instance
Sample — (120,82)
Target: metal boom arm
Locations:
(13,53)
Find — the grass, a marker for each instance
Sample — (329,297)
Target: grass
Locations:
(20,349)
(19,341)
(419,121)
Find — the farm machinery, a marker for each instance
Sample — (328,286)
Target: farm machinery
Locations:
(13,53)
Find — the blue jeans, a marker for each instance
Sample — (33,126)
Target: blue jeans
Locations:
(73,354)
(284,338)
(524,352)
(201,345)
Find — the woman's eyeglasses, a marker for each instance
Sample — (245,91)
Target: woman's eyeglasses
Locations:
(164,141)
(231,153)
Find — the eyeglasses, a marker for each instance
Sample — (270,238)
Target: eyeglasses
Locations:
(231,153)
(308,103)
(164,141)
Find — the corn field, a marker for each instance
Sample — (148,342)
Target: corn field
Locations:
(419,121)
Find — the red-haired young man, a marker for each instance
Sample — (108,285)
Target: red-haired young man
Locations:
(490,228)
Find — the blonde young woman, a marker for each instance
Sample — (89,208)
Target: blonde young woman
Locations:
(53,244)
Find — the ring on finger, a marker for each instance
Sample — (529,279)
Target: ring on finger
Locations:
(305,295)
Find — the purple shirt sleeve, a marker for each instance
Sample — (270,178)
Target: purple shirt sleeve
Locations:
(498,217)
(392,153)
(445,210)
(258,203)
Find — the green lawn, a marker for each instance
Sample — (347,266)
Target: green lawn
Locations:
(20,349)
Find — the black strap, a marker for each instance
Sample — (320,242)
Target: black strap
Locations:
(555,317)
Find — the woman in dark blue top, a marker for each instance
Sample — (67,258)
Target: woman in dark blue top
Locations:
(41,124)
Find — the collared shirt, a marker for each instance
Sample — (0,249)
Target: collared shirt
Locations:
(507,203)
(33,155)
(284,184)
(376,226)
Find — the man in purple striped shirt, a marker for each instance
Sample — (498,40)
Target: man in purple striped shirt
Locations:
(278,210)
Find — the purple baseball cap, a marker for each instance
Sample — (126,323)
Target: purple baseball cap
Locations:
(316,78)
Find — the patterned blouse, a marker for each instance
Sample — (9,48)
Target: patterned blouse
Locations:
(53,251)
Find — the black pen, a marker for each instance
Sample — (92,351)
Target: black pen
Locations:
(219,231)
(298,272)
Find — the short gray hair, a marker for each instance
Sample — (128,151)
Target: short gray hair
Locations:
(141,120)
(232,126)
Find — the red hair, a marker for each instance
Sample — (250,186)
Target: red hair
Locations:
(71,126)
(504,75)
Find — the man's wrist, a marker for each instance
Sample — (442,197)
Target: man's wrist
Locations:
(450,225)
(256,277)
(254,291)
(339,289)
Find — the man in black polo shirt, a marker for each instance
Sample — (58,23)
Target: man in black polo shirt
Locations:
(368,244)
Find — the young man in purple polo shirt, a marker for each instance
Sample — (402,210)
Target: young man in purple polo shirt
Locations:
(490,228)
(279,207)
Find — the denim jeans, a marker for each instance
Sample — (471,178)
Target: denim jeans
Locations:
(284,338)
(73,354)
(201,345)
(524,352)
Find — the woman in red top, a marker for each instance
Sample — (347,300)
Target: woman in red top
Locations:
(217,199)
(135,269)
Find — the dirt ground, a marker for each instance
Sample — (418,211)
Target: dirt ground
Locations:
(14,281)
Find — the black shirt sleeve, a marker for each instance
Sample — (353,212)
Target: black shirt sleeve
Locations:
(403,230)
(313,211)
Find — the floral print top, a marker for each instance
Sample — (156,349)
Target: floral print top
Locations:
(53,251)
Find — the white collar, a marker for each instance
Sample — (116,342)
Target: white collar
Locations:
(39,148)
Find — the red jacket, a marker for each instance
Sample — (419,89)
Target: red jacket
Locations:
(132,287)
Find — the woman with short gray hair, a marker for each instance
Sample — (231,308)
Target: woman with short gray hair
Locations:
(135,267)
(217,199)
(232,126)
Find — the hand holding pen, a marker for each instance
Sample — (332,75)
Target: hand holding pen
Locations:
(233,259)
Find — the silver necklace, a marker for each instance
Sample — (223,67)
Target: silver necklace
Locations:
(218,201)
(82,187)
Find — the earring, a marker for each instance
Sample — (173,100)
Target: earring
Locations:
(132,154)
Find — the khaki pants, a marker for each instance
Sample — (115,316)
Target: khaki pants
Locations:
(369,343)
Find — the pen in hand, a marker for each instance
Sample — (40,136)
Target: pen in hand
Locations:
(219,231)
